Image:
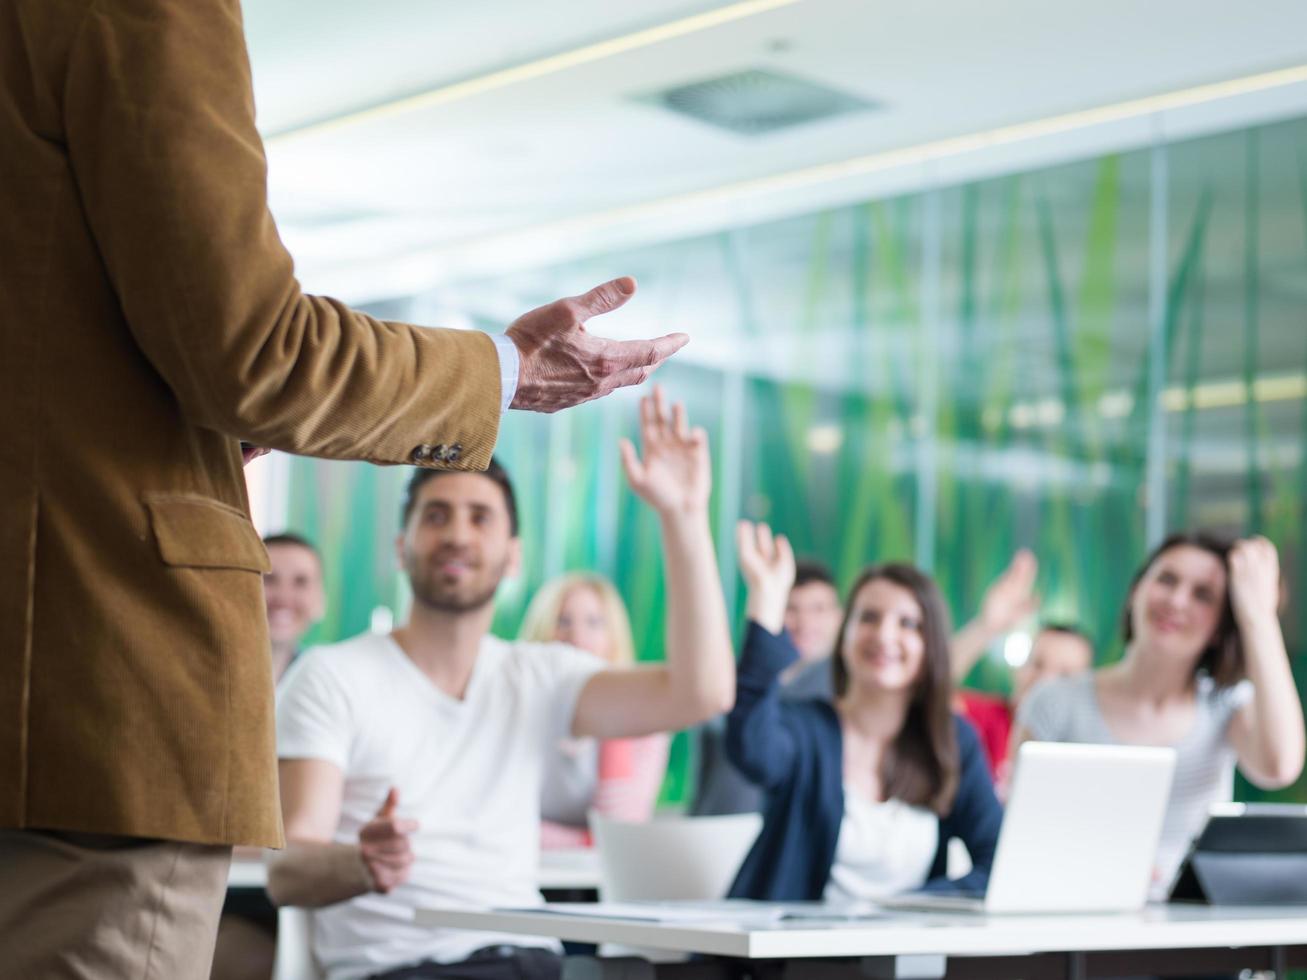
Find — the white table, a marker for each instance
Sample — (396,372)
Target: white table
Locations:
(901,944)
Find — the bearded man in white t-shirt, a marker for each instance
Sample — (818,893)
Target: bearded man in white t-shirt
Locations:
(411,763)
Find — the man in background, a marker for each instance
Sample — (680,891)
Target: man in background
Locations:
(294,595)
(812,618)
(1056,650)
(411,762)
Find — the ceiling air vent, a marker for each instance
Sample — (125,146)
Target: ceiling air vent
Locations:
(756,101)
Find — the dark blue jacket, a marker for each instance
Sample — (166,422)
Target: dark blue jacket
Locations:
(722,788)
(796,752)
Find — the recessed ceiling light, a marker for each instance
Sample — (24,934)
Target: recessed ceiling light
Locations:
(756,101)
(535,69)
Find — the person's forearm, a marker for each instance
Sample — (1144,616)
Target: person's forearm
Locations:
(242,349)
(1278,738)
(700,659)
(311,874)
(967,647)
(766,609)
(559,836)
(757,742)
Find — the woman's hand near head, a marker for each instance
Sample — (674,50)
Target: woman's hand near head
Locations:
(767,564)
(1254,581)
(1267,732)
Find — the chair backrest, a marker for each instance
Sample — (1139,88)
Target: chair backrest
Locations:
(674,858)
(295,959)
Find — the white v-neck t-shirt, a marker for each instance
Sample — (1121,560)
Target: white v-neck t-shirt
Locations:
(884,849)
(469,771)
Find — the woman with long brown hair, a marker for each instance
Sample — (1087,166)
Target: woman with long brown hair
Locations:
(1204,671)
(863,794)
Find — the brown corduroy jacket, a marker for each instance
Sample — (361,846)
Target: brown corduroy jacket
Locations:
(149,321)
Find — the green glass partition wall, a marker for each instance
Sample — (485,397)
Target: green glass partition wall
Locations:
(1073,360)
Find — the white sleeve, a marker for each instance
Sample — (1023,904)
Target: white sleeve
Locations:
(1228,700)
(568,671)
(313,713)
(510,363)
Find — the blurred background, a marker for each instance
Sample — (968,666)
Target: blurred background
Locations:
(959,277)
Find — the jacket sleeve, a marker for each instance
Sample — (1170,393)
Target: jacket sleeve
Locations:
(158,113)
(976,815)
(758,737)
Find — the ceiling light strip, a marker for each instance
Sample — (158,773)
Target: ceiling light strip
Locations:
(537,69)
(892,159)
(1224,393)
(958,145)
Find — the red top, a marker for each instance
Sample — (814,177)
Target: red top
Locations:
(992,716)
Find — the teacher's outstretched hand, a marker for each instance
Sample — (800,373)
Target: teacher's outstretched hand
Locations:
(562,365)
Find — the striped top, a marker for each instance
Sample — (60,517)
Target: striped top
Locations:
(1066,710)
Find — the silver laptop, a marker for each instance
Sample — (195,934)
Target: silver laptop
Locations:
(1080,832)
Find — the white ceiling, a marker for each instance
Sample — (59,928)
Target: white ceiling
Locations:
(508,165)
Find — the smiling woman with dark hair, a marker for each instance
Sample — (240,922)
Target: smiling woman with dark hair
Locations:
(1204,671)
(863,794)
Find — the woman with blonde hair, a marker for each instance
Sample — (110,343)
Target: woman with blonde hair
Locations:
(619,778)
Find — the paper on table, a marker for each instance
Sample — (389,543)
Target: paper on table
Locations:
(641,911)
(728,910)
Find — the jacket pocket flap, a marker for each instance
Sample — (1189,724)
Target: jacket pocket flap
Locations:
(195,532)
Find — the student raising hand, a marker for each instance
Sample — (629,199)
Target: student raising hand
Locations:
(1267,733)
(767,564)
(1009,599)
(673,473)
(1254,580)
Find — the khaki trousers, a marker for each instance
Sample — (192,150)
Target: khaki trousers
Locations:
(93,907)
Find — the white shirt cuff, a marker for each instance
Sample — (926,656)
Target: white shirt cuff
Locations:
(509,364)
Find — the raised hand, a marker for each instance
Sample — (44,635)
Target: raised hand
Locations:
(672,472)
(767,564)
(384,845)
(1011,597)
(562,365)
(1267,732)
(1254,579)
